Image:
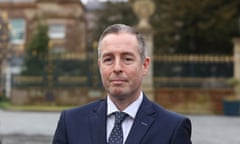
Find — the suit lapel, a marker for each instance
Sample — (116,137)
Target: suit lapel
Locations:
(97,123)
(142,123)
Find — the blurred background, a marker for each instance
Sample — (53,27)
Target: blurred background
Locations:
(48,56)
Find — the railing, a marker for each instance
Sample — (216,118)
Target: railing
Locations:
(203,71)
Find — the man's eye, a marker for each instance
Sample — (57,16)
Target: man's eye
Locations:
(107,60)
(128,60)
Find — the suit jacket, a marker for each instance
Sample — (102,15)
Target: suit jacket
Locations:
(152,125)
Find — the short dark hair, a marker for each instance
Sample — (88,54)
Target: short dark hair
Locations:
(122,28)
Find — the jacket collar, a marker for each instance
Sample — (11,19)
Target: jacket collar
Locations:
(143,121)
(97,122)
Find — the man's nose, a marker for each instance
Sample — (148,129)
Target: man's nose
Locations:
(117,66)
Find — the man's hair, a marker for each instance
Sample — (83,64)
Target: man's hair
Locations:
(122,28)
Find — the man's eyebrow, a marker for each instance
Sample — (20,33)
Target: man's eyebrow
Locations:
(111,54)
(127,54)
(107,54)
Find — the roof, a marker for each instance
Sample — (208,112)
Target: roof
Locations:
(31,1)
(17,1)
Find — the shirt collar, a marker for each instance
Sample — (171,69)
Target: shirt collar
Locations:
(131,110)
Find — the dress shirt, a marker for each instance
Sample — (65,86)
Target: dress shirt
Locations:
(131,110)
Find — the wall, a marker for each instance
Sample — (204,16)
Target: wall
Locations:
(189,101)
(59,96)
(192,101)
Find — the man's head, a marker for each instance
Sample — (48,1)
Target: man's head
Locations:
(122,28)
(122,62)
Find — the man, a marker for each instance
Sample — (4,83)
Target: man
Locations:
(122,63)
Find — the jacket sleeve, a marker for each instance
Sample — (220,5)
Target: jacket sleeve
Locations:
(182,134)
(60,136)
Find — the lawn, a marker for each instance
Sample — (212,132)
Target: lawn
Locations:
(43,108)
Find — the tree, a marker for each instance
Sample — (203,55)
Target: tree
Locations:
(192,26)
(36,52)
(186,26)
(114,12)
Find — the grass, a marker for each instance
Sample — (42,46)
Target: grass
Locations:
(4,104)
(40,108)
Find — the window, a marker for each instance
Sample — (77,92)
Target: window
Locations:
(56,31)
(17,31)
(58,50)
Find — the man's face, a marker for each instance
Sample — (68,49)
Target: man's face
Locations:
(121,67)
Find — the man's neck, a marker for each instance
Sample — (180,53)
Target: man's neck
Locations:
(123,103)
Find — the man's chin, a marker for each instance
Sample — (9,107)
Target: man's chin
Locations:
(118,94)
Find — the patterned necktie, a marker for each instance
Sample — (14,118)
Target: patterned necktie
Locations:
(116,136)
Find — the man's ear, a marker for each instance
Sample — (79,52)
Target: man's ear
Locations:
(146,65)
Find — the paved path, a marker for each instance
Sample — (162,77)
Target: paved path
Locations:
(28,123)
(38,128)
(27,127)
(215,130)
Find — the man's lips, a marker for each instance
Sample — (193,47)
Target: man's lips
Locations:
(117,81)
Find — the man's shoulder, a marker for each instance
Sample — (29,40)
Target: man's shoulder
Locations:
(168,114)
(85,109)
(159,109)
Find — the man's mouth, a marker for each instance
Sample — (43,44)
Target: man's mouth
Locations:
(117,81)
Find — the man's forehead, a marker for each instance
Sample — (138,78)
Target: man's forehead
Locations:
(118,40)
(119,43)
(118,35)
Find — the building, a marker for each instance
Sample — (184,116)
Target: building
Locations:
(65,19)
(66,29)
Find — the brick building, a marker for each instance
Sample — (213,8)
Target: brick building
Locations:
(65,19)
(66,30)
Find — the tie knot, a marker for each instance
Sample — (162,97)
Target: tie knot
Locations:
(119,117)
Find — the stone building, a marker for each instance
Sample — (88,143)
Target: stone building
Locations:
(65,20)
(66,30)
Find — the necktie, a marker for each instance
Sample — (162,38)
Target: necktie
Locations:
(116,136)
